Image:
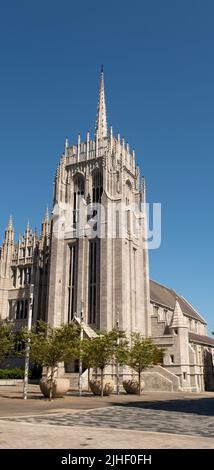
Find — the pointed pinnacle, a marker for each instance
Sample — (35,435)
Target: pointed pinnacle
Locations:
(46,216)
(101,120)
(178,319)
(66,143)
(66,147)
(10,223)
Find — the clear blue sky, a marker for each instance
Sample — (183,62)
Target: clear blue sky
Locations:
(159,75)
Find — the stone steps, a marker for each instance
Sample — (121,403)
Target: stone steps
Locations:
(89,332)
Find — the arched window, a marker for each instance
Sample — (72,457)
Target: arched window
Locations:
(79,192)
(97,186)
(128,193)
(128,200)
(79,184)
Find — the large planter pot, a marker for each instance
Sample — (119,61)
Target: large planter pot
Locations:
(60,387)
(131,386)
(108,387)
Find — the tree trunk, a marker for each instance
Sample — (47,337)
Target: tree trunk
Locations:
(101,383)
(51,384)
(139,382)
(89,370)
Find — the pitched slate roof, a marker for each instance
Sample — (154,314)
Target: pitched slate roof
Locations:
(166,297)
(201,339)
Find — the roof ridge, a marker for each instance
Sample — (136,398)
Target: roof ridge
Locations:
(196,311)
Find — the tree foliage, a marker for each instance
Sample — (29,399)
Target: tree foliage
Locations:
(143,353)
(105,349)
(50,346)
(7,339)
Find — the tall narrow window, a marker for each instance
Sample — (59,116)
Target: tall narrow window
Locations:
(13,276)
(28,275)
(79,191)
(97,190)
(21,313)
(93,298)
(20,276)
(25,276)
(128,192)
(17,310)
(72,283)
(118,181)
(25,309)
(97,186)
(11,309)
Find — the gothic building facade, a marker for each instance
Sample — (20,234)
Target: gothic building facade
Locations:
(91,260)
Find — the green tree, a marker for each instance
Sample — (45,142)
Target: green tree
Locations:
(50,346)
(105,349)
(143,353)
(7,339)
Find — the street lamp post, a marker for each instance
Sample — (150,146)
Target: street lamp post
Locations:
(117,365)
(80,360)
(27,352)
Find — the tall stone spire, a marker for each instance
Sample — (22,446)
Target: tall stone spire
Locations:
(101,129)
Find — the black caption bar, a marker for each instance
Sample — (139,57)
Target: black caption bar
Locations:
(99,459)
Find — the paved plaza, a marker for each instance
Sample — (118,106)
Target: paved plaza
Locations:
(154,420)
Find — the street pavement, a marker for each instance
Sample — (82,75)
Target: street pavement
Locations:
(154,420)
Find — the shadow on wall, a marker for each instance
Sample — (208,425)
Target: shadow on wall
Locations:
(208,370)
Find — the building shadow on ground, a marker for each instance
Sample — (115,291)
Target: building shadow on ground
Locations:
(20,397)
(199,406)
